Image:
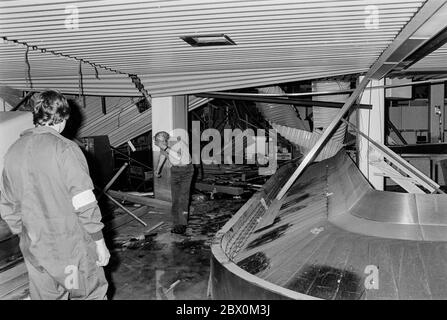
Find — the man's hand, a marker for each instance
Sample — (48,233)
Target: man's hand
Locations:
(158,174)
(162,145)
(102,252)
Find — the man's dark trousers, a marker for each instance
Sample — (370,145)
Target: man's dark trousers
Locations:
(181,177)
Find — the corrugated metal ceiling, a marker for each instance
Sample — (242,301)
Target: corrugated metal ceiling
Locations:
(277,41)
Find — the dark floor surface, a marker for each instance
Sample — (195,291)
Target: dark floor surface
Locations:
(146,267)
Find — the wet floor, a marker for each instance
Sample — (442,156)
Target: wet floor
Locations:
(161,265)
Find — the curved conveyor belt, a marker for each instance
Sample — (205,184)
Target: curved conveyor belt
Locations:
(333,237)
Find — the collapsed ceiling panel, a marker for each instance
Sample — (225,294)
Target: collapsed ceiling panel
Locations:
(121,122)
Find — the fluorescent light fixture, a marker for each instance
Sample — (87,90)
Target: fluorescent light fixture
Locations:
(204,40)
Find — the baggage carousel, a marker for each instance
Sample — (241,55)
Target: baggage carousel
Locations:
(332,236)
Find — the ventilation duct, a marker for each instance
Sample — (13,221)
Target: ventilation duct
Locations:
(281,114)
(322,117)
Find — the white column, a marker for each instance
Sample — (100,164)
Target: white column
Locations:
(168,114)
(372,123)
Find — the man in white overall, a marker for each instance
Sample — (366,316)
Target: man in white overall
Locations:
(46,197)
(181,176)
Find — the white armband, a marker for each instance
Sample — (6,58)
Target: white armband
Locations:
(84,198)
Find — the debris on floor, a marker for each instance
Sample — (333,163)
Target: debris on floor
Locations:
(233,180)
(152,263)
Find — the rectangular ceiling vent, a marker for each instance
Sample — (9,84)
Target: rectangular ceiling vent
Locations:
(208,40)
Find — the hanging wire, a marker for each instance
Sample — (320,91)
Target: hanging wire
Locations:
(140,87)
(135,79)
(29,81)
(81,85)
(58,54)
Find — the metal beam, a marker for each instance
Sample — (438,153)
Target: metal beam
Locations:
(10,95)
(324,138)
(441,77)
(412,26)
(27,97)
(404,44)
(430,46)
(396,131)
(278,100)
(403,165)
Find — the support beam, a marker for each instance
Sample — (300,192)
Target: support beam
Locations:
(313,153)
(277,100)
(10,97)
(392,127)
(430,46)
(393,74)
(407,183)
(126,210)
(23,101)
(400,163)
(428,22)
(150,202)
(375,71)
(116,176)
(117,222)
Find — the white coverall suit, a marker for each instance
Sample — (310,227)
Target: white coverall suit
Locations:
(46,198)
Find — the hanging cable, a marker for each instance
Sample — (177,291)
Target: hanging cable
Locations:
(58,54)
(135,79)
(140,87)
(29,81)
(81,85)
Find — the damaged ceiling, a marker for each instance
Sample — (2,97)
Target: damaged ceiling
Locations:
(276,41)
(122,120)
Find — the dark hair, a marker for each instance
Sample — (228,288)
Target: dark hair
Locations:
(161,135)
(51,108)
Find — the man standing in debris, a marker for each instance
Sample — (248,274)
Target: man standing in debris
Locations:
(181,176)
(47,199)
